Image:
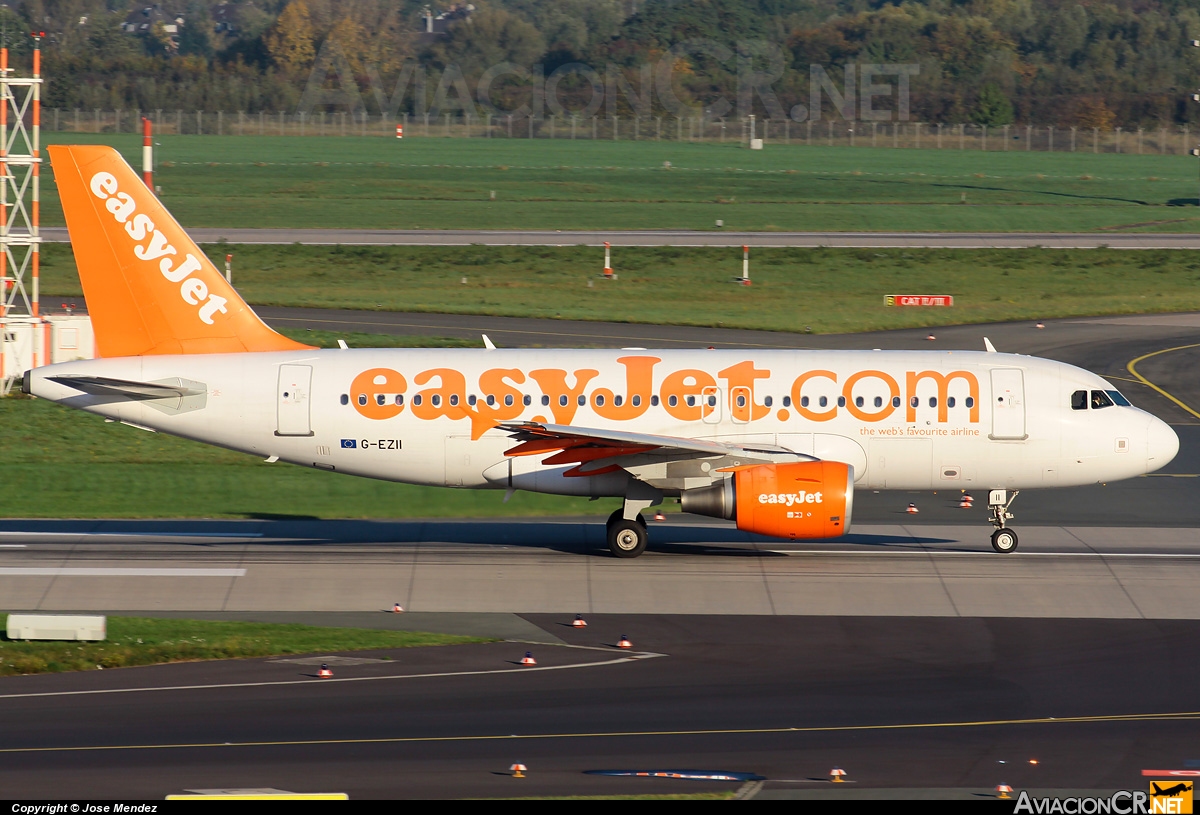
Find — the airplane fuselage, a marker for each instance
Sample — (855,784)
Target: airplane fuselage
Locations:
(908,420)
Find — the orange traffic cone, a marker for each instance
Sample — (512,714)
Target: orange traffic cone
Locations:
(931,337)
(837,775)
(658,516)
(1002,791)
(912,509)
(528,659)
(1040,325)
(397,608)
(624,642)
(324,672)
(518,770)
(964,503)
(579,622)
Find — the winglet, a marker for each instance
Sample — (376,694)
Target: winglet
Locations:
(149,288)
(987,344)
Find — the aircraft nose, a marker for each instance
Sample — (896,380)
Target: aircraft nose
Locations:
(1161,444)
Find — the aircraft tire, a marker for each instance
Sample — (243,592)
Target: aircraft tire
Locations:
(1004,541)
(626,539)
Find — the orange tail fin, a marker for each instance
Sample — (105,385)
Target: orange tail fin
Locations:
(149,288)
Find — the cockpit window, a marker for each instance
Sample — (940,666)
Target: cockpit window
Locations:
(1079,400)
(1100,399)
(1119,399)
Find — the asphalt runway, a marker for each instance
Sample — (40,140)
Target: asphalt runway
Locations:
(908,654)
(878,240)
(915,706)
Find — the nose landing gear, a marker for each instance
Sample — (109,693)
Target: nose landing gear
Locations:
(1004,540)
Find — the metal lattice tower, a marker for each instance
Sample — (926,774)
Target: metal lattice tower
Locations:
(20,165)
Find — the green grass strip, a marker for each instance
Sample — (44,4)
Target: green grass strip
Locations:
(148,641)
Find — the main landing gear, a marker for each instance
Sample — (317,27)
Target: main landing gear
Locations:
(626,538)
(1004,540)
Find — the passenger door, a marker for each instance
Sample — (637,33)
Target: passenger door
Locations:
(294,401)
(1008,404)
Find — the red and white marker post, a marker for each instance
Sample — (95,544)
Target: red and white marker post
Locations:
(745,278)
(148,153)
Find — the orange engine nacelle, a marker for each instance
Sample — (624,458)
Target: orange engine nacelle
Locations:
(806,499)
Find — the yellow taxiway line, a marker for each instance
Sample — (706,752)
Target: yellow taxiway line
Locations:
(1132,368)
(1125,717)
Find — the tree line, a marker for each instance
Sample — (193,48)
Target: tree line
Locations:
(1085,63)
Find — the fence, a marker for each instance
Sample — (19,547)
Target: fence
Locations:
(909,135)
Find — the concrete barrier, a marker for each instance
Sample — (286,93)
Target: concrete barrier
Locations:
(57,627)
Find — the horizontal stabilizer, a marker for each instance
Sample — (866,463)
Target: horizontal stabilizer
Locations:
(105,386)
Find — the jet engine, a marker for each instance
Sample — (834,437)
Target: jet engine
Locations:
(806,499)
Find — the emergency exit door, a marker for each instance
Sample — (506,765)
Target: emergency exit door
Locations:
(1008,404)
(294,401)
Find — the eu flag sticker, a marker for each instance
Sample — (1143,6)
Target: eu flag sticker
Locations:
(349,444)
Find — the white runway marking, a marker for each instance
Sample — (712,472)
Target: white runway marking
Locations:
(618,661)
(13,546)
(71,571)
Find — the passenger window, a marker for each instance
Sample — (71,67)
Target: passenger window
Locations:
(949,401)
(933,401)
(914,401)
(787,402)
(618,400)
(895,401)
(767,400)
(741,401)
(599,400)
(823,401)
(672,400)
(545,400)
(508,400)
(970,401)
(1119,399)
(1100,400)
(345,398)
(878,401)
(653,400)
(1079,400)
(691,401)
(841,401)
(399,399)
(636,400)
(526,400)
(562,400)
(803,401)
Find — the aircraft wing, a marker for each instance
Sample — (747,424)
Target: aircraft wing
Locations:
(577,445)
(106,386)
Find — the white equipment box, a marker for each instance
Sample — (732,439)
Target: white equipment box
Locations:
(56,627)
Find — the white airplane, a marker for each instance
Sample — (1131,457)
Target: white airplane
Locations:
(774,440)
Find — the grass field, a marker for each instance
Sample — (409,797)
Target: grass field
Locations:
(829,290)
(448,184)
(86,468)
(147,641)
